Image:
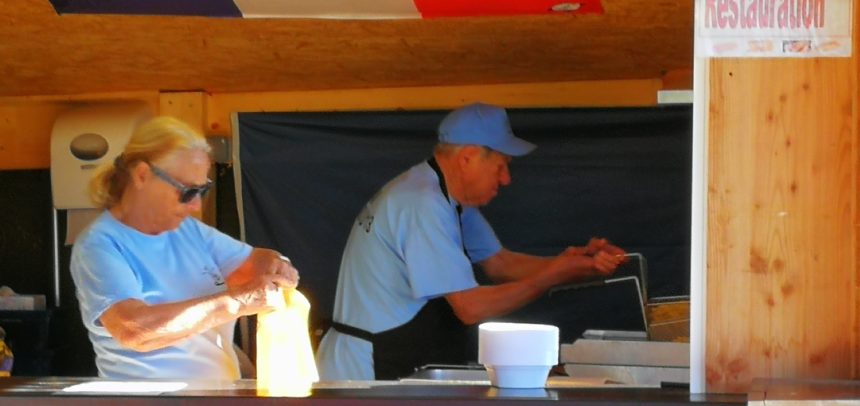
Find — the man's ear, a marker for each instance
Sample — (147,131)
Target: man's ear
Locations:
(139,173)
(468,154)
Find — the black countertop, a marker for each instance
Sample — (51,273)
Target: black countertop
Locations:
(48,391)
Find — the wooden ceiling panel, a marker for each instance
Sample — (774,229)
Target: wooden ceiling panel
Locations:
(42,53)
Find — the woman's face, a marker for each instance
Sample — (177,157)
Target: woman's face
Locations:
(166,211)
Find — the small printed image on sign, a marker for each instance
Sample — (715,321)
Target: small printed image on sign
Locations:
(760,45)
(796,46)
(829,46)
(724,47)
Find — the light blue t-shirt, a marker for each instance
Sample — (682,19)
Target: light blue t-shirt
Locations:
(112,262)
(404,249)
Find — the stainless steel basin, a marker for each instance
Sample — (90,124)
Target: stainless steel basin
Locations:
(450,373)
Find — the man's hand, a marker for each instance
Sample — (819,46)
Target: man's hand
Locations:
(605,263)
(598,258)
(594,245)
(601,244)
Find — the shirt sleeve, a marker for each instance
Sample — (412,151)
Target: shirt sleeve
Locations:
(227,251)
(102,277)
(436,263)
(480,239)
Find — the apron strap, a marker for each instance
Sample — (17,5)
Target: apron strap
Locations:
(435,166)
(352,331)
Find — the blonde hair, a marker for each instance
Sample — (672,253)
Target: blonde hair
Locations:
(159,138)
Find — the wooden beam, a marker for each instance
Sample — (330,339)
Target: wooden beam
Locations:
(678,79)
(615,93)
(26,121)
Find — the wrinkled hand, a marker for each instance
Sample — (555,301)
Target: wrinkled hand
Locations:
(257,295)
(256,284)
(605,263)
(593,246)
(601,244)
(265,262)
(284,268)
(600,256)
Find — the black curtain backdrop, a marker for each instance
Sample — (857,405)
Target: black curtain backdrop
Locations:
(624,174)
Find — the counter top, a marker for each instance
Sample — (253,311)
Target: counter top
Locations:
(776,391)
(49,391)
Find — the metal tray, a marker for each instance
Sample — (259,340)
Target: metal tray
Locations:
(451,373)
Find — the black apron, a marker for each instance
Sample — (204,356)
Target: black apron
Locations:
(434,336)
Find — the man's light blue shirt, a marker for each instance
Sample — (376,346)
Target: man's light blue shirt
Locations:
(112,262)
(405,248)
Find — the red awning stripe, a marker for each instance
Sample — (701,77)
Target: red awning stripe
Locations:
(474,8)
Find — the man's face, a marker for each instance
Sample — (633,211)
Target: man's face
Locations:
(483,172)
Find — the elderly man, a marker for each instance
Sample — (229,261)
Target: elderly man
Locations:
(406,293)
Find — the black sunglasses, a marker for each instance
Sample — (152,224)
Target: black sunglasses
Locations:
(186,193)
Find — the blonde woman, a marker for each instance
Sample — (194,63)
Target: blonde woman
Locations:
(160,291)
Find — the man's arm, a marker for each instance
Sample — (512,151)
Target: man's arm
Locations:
(507,266)
(527,277)
(480,303)
(142,327)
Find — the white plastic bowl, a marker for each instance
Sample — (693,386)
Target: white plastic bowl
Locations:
(518,376)
(517,355)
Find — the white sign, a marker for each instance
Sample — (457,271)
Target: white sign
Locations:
(773,28)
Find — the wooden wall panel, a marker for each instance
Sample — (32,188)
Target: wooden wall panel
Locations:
(855,67)
(782,272)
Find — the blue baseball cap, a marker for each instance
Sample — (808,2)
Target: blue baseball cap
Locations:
(483,124)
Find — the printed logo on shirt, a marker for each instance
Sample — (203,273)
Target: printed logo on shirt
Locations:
(365,222)
(213,273)
(365,218)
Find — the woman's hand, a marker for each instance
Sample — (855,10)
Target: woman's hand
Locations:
(254,285)
(283,267)
(256,295)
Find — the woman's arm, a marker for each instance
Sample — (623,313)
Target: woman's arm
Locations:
(142,327)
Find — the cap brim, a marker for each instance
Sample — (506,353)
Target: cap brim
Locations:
(516,147)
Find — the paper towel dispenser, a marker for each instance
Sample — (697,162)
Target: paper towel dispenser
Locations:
(89,146)
(82,139)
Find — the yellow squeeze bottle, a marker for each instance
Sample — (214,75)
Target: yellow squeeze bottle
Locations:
(285,359)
